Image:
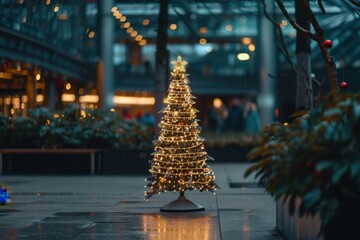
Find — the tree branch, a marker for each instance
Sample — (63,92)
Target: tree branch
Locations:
(319,37)
(292,22)
(355,2)
(281,46)
(321,7)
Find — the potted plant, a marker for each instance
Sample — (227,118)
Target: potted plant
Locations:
(316,158)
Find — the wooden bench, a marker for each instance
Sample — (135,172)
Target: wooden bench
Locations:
(94,155)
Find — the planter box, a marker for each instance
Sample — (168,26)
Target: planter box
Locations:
(49,161)
(345,224)
(125,161)
(228,153)
(295,227)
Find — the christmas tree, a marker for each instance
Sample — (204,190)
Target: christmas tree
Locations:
(179,158)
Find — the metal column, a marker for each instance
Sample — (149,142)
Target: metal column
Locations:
(105,81)
(268,59)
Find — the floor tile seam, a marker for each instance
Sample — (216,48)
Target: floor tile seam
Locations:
(83,230)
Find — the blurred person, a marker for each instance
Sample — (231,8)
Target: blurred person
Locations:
(223,116)
(148,119)
(252,118)
(212,119)
(139,116)
(235,120)
(126,114)
(147,64)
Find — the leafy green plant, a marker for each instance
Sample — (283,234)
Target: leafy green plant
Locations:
(316,157)
(74,127)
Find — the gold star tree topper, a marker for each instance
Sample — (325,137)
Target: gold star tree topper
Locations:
(179,65)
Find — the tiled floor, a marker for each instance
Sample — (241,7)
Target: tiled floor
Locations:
(112,207)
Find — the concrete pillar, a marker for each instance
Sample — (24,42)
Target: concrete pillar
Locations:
(268,59)
(105,78)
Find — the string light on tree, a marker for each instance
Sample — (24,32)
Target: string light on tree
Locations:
(179,159)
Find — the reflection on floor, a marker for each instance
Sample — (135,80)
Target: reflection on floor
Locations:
(112,207)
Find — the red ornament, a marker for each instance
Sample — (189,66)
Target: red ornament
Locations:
(343,85)
(327,43)
(276,112)
(181,123)
(318,173)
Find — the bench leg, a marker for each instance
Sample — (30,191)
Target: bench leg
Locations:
(1,164)
(92,163)
(99,162)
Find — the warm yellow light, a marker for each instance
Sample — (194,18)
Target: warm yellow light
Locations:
(81,91)
(179,65)
(246,40)
(134,33)
(146,22)
(243,56)
(283,24)
(202,41)
(91,34)
(203,30)
(129,30)
(24,98)
(6,75)
(126,25)
(63,17)
(251,47)
(113,9)
(122,19)
(138,37)
(117,15)
(143,42)
(38,76)
(82,113)
(89,99)
(48,2)
(68,86)
(126,100)
(7,100)
(285,124)
(18,68)
(66,97)
(217,103)
(112,110)
(228,27)
(56,8)
(173,26)
(39,98)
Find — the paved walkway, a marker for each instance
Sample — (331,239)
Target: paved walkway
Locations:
(112,207)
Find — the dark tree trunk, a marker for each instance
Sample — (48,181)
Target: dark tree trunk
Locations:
(330,68)
(303,77)
(161,61)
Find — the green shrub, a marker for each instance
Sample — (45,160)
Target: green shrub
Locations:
(316,158)
(74,127)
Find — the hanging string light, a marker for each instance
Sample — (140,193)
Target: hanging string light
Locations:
(130,30)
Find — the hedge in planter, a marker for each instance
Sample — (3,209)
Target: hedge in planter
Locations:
(316,158)
(74,127)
